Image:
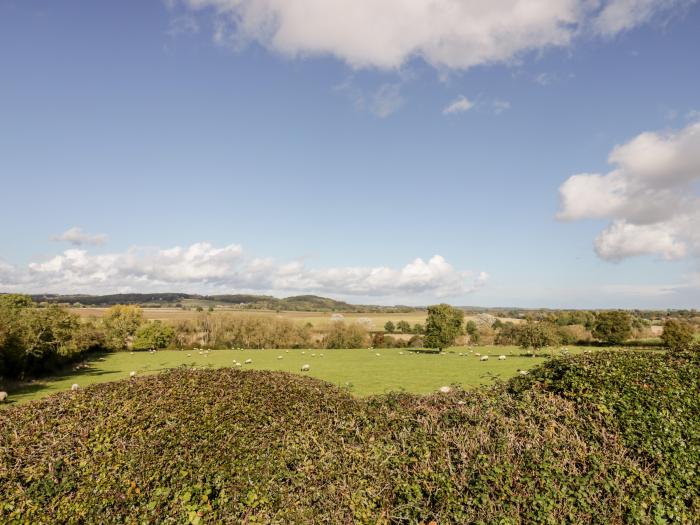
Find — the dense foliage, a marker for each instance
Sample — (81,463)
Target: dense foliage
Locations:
(613,327)
(36,340)
(678,336)
(443,326)
(610,438)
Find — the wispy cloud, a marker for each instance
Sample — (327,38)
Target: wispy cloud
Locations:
(77,237)
(459,105)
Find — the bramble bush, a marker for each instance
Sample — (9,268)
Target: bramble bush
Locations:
(608,438)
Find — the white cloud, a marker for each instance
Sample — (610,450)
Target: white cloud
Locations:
(77,237)
(651,197)
(453,34)
(459,105)
(387,100)
(206,268)
(621,15)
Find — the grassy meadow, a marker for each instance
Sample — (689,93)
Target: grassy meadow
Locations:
(362,372)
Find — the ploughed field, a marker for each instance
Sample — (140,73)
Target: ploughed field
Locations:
(607,437)
(360,371)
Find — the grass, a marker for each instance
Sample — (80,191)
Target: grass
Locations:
(360,371)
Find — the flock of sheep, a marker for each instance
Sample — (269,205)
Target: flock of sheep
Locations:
(304,368)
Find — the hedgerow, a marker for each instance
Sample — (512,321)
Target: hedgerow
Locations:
(225,446)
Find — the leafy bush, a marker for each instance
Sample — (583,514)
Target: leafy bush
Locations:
(651,401)
(678,336)
(578,441)
(341,335)
(153,335)
(38,340)
(613,327)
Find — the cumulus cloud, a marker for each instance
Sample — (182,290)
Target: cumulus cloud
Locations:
(204,267)
(77,237)
(651,197)
(453,34)
(459,105)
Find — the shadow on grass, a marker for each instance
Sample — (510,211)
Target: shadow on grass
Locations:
(17,388)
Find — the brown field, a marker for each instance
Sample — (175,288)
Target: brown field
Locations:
(373,321)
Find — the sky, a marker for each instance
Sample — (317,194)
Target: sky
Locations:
(532,153)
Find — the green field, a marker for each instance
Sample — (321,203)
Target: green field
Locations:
(361,370)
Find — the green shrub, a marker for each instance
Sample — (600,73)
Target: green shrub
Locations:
(610,439)
(153,336)
(678,336)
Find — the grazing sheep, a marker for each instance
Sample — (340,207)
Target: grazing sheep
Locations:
(189,355)
(279,357)
(248,361)
(132,374)
(286,351)
(477,354)
(523,372)
(303,353)
(320,355)
(445,389)
(501,358)
(74,387)
(3,397)
(313,355)
(305,368)
(378,354)
(238,364)
(484,358)
(400,353)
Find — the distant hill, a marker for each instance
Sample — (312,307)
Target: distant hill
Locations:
(312,303)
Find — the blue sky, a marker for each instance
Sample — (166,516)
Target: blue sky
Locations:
(187,146)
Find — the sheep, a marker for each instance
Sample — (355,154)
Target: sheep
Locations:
(484,358)
(238,364)
(523,372)
(313,355)
(305,368)
(400,353)
(302,353)
(501,358)
(279,357)
(248,361)
(74,387)
(477,354)
(445,389)
(132,374)
(189,355)
(320,355)
(378,354)
(3,397)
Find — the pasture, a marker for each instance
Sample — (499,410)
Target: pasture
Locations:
(361,371)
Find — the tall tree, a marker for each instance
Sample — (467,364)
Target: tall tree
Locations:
(677,336)
(613,327)
(443,326)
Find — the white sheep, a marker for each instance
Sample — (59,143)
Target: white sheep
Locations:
(132,374)
(189,355)
(400,353)
(313,355)
(305,368)
(320,355)
(477,354)
(279,357)
(74,387)
(501,358)
(445,389)
(378,354)
(238,364)
(484,358)
(523,372)
(248,361)
(3,397)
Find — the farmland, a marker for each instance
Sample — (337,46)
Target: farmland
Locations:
(360,371)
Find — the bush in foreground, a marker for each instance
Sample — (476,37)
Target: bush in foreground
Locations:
(223,446)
